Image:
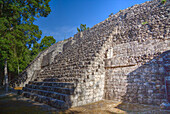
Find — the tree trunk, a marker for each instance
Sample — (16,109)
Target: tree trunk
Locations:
(6,76)
(18,68)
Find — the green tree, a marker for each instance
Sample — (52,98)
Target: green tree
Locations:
(82,28)
(34,50)
(46,42)
(18,33)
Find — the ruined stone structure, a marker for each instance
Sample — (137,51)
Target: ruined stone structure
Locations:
(124,58)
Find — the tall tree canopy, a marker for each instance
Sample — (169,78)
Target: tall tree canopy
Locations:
(82,28)
(18,34)
(46,42)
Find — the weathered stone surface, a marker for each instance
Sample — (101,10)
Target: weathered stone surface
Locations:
(139,84)
(120,58)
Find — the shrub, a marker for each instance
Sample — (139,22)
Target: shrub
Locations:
(163,1)
(144,23)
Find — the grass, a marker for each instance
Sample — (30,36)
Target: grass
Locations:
(110,14)
(144,23)
(163,1)
(65,40)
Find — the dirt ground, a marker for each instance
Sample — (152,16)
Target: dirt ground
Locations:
(11,103)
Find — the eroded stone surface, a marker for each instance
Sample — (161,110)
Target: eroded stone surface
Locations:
(120,58)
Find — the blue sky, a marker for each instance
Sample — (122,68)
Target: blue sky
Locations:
(67,15)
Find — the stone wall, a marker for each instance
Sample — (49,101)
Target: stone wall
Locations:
(101,60)
(39,62)
(136,72)
(83,57)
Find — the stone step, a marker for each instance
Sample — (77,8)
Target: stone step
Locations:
(55,95)
(50,76)
(54,84)
(58,79)
(67,91)
(59,104)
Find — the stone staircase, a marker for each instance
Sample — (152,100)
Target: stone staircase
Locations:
(54,92)
(66,79)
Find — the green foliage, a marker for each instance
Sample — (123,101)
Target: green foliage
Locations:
(34,50)
(110,14)
(144,23)
(163,1)
(46,42)
(18,34)
(82,28)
